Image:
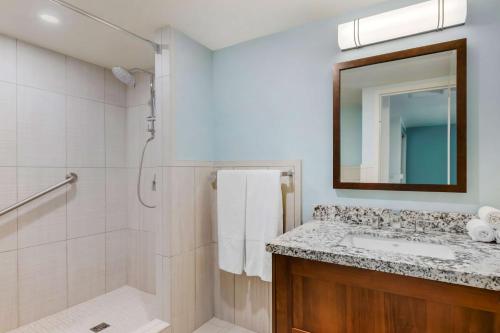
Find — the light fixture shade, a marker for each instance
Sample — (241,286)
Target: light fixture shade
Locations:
(423,17)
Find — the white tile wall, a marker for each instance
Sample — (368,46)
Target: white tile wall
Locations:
(63,115)
(87,203)
(163,287)
(116,259)
(151,217)
(205,264)
(8,291)
(134,208)
(41,128)
(42,281)
(116,136)
(8,196)
(183,293)
(136,134)
(115,92)
(141,261)
(86,268)
(85,133)
(8,114)
(179,204)
(8,61)
(40,68)
(84,79)
(205,195)
(116,198)
(43,220)
(139,95)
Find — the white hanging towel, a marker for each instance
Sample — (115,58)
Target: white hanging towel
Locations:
(264,220)
(231,203)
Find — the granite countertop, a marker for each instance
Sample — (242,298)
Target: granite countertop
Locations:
(475,264)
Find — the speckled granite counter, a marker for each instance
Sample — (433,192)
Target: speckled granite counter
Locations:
(475,264)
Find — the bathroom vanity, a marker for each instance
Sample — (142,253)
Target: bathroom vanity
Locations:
(342,277)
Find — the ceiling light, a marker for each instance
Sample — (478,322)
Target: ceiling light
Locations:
(422,17)
(49,18)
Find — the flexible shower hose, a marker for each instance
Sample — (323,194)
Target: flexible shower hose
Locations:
(140,174)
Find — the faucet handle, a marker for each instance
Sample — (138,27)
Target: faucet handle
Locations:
(395,221)
(376,221)
(420,225)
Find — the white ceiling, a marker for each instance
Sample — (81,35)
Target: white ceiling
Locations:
(428,108)
(426,67)
(214,23)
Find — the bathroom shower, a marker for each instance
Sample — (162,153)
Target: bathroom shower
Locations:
(127,77)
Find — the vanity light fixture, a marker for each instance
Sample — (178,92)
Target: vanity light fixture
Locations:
(427,16)
(49,18)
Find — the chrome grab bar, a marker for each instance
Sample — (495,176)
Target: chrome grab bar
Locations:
(70,178)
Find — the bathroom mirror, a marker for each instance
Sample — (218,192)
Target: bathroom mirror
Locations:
(400,120)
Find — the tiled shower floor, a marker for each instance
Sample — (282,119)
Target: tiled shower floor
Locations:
(126,310)
(218,326)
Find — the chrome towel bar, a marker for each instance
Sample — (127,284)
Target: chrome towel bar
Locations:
(70,178)
(213,177)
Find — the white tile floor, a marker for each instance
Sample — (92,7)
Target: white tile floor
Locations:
(126,310)
(215,325)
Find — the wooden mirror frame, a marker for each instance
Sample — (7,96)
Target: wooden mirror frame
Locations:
(460,46)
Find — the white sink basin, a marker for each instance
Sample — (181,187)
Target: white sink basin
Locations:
(398,246)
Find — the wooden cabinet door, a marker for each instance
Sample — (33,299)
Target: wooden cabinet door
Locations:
(315,297)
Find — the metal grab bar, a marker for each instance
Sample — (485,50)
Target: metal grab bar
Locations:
(70,178)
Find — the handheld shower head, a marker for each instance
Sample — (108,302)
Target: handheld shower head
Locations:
(124,76)
(127,77)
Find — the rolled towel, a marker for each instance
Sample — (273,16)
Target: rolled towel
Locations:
(480,231)
(487,213)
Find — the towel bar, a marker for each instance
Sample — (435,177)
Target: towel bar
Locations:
(213,177)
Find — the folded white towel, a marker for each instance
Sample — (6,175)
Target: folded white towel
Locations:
(480,231)
(264,220)
(231,203)
(485,213)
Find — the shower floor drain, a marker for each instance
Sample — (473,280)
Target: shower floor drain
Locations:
(100,327)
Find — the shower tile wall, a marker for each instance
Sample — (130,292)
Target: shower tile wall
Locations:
(185,247)
(59,114)
(141,220)
(184,243)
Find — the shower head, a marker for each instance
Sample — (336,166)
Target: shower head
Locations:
(124,76)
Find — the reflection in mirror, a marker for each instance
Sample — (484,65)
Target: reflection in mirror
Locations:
(398,121)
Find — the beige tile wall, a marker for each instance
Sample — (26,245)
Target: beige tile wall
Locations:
(59,114)
(95,237)
(247,301)
(185,248)
(143,223)
(191,287)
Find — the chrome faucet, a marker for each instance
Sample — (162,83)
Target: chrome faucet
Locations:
(376,222)
(394,220)
(420,225)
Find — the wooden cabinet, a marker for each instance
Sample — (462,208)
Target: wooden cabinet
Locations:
(316,297)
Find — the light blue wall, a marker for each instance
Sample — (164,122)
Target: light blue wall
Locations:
(273,100)
(193,99)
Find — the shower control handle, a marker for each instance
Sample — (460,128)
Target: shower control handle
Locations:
(150,124)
